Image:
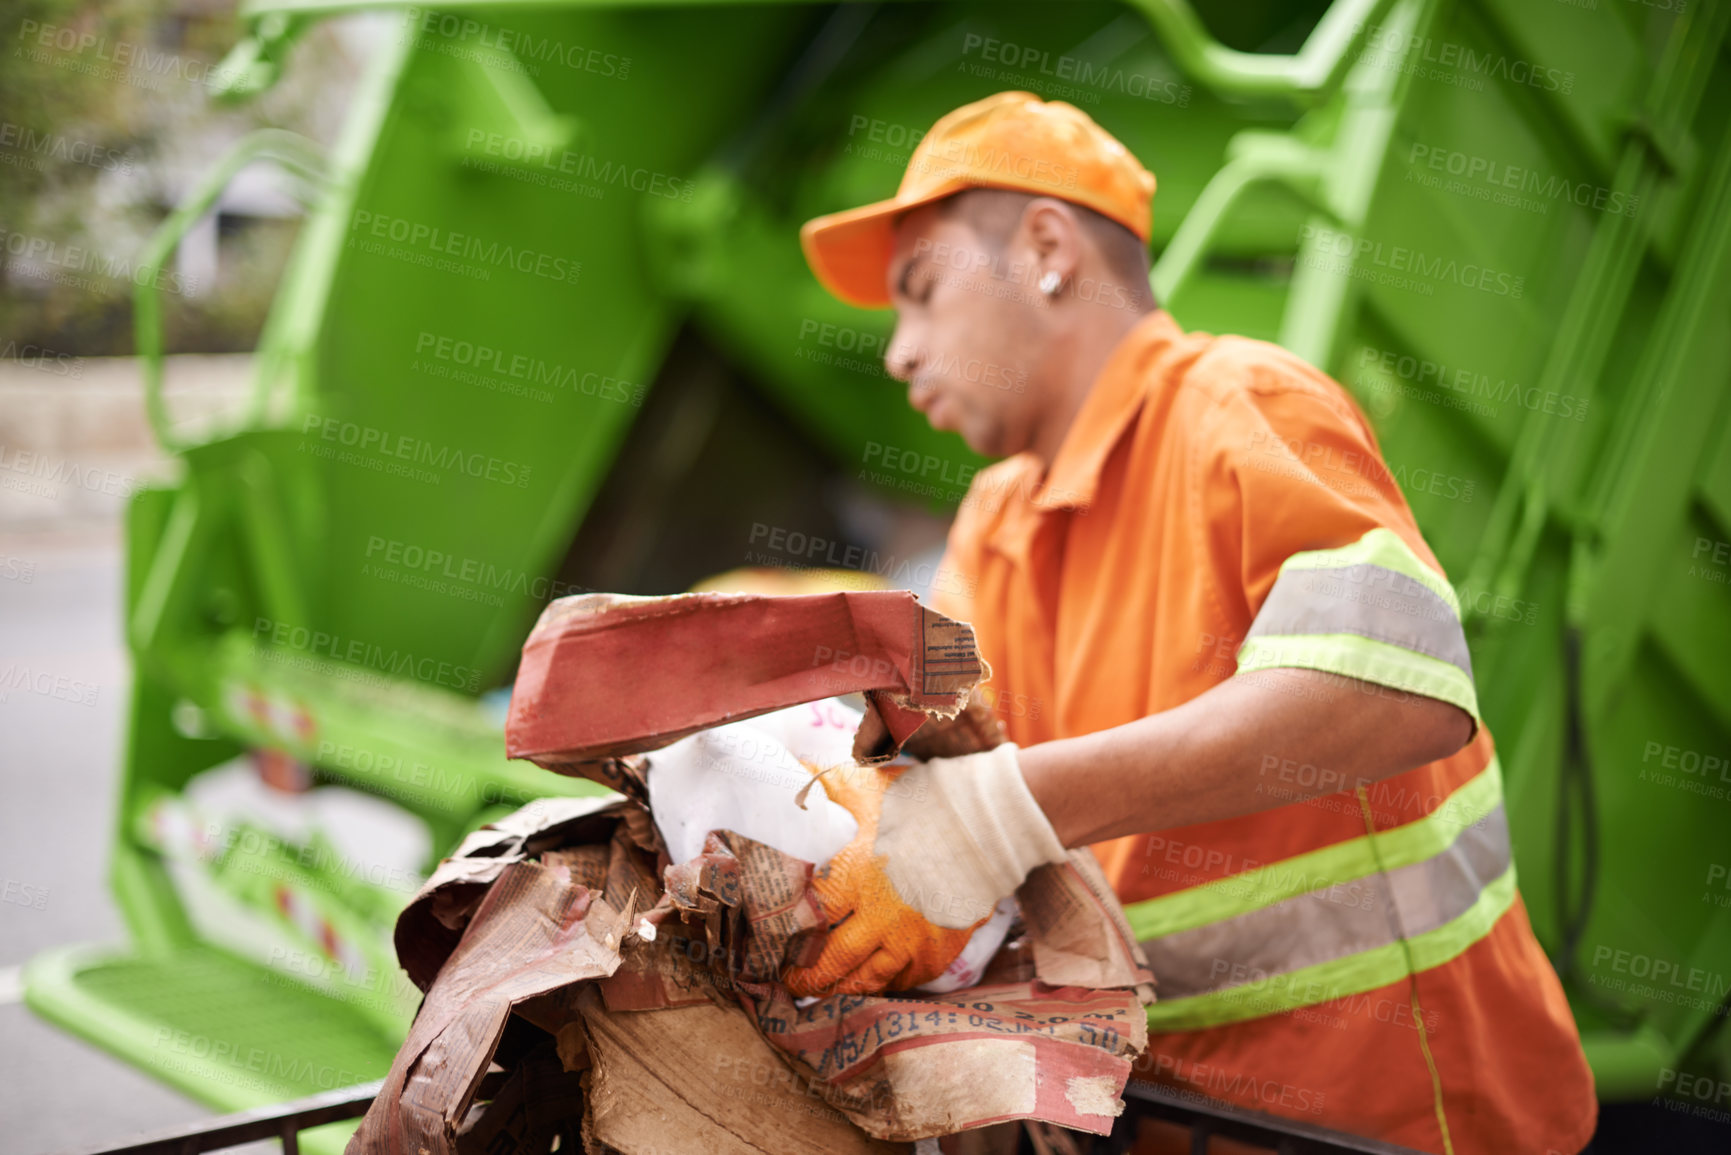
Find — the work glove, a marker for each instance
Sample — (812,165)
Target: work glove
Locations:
(939,844)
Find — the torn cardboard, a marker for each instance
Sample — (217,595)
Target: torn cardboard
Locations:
(701,1078)
(657,983)
(1006,1051)
(589,689)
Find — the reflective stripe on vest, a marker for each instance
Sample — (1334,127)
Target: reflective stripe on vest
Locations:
(1334,922)
(1372,610)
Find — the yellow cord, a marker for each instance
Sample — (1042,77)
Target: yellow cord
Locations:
(1442,1118)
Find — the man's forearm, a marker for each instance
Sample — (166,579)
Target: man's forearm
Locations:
(1202,761)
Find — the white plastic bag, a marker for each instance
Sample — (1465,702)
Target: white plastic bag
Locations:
(744,777)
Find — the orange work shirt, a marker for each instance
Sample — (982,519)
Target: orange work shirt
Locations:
(1219,506)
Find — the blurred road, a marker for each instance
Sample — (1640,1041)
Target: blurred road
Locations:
(60,622)
(59,764)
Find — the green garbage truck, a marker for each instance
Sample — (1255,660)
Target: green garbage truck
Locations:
(547,313)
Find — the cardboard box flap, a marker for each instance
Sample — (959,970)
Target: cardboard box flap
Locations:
(433,921)
(568,918)
(531,934)
(716,931)
(604,675)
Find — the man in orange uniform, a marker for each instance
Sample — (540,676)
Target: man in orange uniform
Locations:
(1231,665)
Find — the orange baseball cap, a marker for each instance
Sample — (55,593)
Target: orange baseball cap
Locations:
(1012,140)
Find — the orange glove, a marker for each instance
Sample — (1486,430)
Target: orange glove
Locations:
(939,844)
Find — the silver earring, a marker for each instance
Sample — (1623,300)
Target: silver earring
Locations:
(1049,282)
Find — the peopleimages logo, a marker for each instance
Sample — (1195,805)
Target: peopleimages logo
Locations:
(1501,181)
(531,370)
(29,144)
(1661,977)
(47,684)
(366,445)
(1447,61)
(443,243)
(108,59)
(524,47)
(1470,383)
(23,894)
(42,476)
(45,360)
(413,562)
(1363,252)
(813,551)
(359,652)
(66,264)
(963,158)
(273,1070)
(1223,1083)
(271,855)
(884,132)
(582,167)
(1075,71)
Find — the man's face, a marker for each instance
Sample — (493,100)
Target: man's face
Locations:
(970,330)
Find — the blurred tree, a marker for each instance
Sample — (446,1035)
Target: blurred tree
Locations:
(105,124)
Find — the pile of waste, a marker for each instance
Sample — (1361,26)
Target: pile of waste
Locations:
(608,968)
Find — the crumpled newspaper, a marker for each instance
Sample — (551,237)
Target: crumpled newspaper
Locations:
(567,945)
(756,778)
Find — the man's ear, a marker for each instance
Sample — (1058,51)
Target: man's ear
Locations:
(1055,235)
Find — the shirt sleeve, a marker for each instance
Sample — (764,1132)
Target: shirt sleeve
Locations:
(1308,527)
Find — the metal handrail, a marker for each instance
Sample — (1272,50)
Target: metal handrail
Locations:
(1204,1116)
(294,153)
(1306,77)
(1207,1117)
(282,1121)
(1258,159)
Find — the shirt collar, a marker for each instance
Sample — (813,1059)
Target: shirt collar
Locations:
(1112,403)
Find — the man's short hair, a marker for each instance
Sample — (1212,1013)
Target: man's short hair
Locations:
(994,213)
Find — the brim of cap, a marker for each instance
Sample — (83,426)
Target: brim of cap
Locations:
(850,252)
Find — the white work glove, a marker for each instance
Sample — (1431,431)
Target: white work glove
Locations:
(939,844)
(966,825)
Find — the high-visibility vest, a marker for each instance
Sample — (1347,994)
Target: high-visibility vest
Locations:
(1354,915)
(1338,921)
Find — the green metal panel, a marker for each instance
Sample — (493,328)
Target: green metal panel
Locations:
(582,332)
(233,1034)
(1515,309)
(848,142)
